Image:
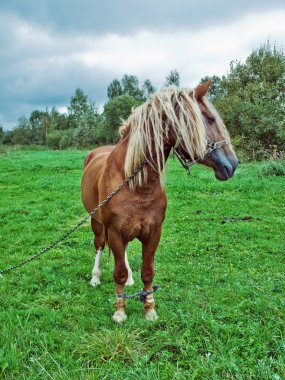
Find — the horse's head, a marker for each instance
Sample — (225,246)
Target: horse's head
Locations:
(219,153)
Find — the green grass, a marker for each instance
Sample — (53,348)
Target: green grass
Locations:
(220,265)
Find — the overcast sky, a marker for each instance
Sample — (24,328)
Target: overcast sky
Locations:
(49,48)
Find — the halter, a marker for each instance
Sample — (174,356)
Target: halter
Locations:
(211,145)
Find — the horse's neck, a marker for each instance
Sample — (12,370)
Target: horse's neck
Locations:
(153,177)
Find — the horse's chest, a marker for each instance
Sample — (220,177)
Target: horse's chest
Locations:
(136,217)
(140,227)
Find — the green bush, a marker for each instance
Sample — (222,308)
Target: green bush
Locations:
(53,139)
(272,168)
(3,149)
(251,102)
(66,139)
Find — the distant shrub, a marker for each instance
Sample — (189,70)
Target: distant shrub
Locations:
(3,149)
(245,153)
(18,147)
(64,142)
(34,148)
(66,139)
(53,139)
(272,168)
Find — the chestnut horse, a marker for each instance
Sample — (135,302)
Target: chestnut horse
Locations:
(183,120)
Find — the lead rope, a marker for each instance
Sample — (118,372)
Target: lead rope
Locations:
(63,237)
(211,146)
(142,294)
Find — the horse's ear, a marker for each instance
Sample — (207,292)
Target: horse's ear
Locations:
(202,89)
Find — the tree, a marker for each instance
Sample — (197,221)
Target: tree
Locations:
(130,84)
(84,119)
(173,78)
(148,88)
(115,111)
(56,120)
(114,89)
(78,107)
(87,132)
(252,100)
(2,133)
(22,133)
(8,137)
(39,123)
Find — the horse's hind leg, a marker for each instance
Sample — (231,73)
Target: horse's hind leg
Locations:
(99,244)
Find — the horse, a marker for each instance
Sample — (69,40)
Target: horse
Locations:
(182,120)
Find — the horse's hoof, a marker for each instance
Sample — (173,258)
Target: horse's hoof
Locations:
(119,316)
(151,315)
(95,281)
(130,281)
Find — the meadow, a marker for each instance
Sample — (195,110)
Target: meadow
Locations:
(220,265)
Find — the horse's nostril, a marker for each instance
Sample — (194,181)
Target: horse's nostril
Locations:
(234,163)
(234,166)
(229,170)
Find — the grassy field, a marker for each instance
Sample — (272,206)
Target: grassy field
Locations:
(220,265)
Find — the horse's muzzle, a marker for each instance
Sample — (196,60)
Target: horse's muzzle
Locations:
(223,165)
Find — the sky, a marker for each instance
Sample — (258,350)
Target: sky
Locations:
(49,48)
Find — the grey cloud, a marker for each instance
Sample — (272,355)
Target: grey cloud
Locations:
(40,73)
(129,16)
(37,72)
(48,87)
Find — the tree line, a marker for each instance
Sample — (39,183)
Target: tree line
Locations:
(250,99)
(83,125)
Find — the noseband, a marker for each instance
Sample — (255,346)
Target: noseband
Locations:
(211,146)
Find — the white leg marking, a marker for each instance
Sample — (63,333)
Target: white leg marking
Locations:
(130,280)
(151,314)
(119,316)
(96,272)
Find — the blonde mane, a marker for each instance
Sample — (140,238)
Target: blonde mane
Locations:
(149,124)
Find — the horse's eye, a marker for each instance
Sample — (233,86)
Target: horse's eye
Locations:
(211,120)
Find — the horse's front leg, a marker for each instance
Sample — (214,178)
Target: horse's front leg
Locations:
(149,247)
(120,274)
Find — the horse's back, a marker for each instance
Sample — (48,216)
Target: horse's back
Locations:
(94,164)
